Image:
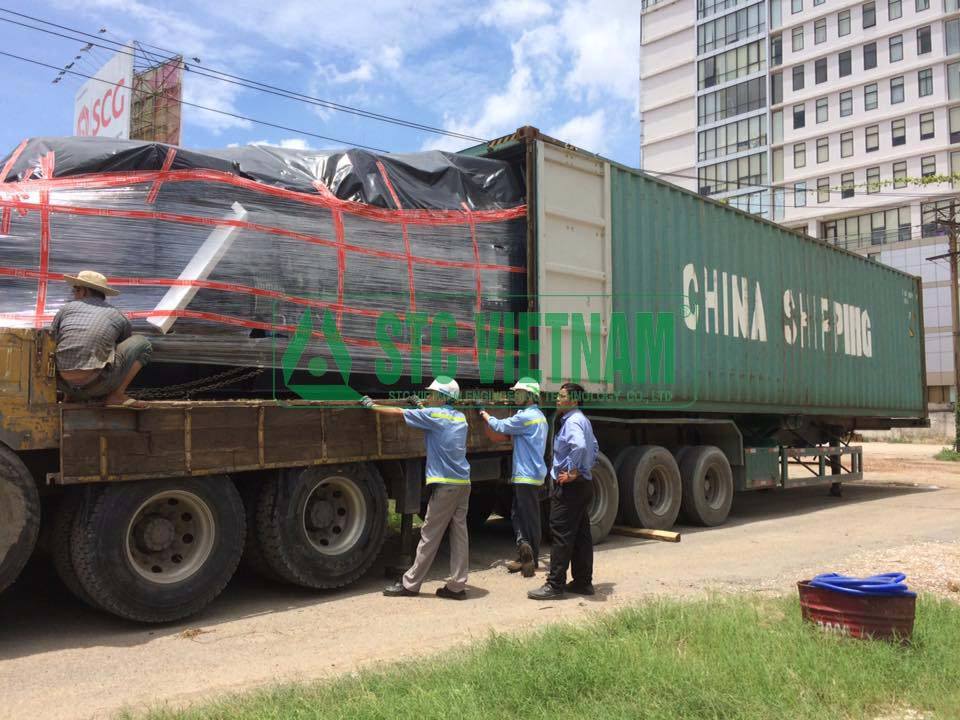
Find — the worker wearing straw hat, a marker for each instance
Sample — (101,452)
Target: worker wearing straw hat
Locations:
(528,427)
(97,353)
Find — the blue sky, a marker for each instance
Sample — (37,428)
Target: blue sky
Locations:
(481,67)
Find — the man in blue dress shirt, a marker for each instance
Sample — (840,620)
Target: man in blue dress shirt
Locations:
(575,451)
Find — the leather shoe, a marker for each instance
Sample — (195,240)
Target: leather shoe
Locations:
(449,594)
(398,590)
(527,561)
(580,589)
(514,566)
(547,592)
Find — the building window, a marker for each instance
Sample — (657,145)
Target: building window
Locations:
(820,31)
(846,186)
(730,65)
(820,70)
(798,77)
(951,29)
(741,172)
(922,5)
(925,82)
(823,112)
(776,161)
(932,213)
(954,115)
(819,2)
(776,88)
(799,155)
(870,96)
(776,50)
(923,40)
(869,56)
(846,103)
(732,28)
(869,15)
(823,190)
(873,228)
(734,100)
(823,150)
(896,90)
(873,180)
(846,144)
(953,80)
(799,116)
(928,166)
(898,132)
(871,138)
(796,6)
(900,174)
(800,194)
(776,126)
(927,129)
(735,137)
(846,63)
(796,39)
(896,48)
(843,23)
(955,169)
(894,9)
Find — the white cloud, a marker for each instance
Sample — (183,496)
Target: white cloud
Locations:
(514,13)
(586,131)
(218,96)
(285,143)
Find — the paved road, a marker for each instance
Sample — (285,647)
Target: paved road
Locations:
(60,659)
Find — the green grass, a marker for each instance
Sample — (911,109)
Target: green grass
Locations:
(948,454)
(727,658)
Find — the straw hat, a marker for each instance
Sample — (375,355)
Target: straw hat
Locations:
(92,280)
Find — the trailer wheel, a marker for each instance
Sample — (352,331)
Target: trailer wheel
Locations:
(650,488)
(322,527)
(61,534)
(159,550)
(19,516)
(606,499)
(707,485)
(250,490)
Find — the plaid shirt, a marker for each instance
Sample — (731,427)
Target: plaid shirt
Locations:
(87,332)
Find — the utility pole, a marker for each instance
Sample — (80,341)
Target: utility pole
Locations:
(953,229)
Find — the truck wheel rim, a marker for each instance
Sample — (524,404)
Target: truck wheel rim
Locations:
(713,491)
(334,515)
(656,492)
(170,537)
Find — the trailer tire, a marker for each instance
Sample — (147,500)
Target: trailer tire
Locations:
(19,516)
(250,490)
(323,526)
(159,550)
(606,499)
(61,538)
(707,485)
(650,488)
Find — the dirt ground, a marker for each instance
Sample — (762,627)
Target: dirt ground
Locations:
(60,659)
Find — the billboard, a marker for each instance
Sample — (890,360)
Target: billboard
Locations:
(102,105)
(157,96)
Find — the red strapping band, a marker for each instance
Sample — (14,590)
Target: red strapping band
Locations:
(11,161)
(165,168)
(406,238)
(47,163)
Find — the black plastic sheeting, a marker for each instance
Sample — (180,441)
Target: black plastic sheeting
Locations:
(426,180)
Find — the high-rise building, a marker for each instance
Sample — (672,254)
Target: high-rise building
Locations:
(835,118)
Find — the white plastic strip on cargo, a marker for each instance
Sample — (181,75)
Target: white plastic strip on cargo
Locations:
(199,268)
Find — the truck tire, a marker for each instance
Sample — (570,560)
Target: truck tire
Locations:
(19,516)
(650,488)
(61,534)
(707,485)
(606,499)
(322,527)
(158,550)
(253,559)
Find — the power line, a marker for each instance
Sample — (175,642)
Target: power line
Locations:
(203,107)
(238,80)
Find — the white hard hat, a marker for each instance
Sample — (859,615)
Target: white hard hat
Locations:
(446,386)
(528,384)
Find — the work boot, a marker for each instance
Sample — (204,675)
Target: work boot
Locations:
(547,592)
(449,594)
(581,588)
(527,561)
(398,590)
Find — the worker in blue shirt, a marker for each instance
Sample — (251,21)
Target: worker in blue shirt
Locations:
(528,427)
(449,473)
(575,451)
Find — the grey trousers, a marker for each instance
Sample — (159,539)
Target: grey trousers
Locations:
(447,508)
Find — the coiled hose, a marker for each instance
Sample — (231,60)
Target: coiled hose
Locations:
(887,584)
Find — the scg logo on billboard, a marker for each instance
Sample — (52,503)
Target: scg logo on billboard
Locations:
(105,109)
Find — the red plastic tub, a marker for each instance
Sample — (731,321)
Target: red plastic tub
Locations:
(881,618)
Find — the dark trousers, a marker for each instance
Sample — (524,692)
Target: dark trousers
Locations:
(525,516)
(570,527)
